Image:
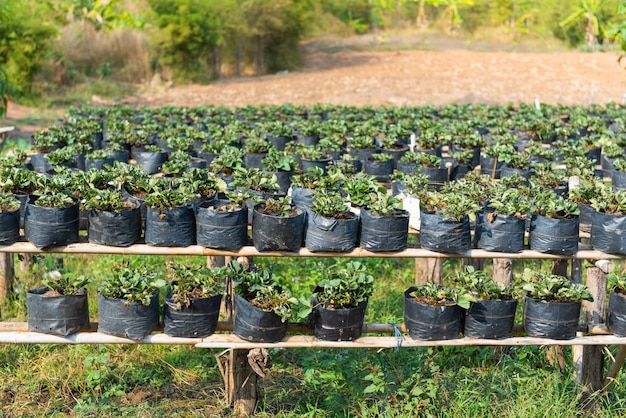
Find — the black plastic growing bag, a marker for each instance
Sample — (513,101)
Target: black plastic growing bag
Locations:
(127,319)
(58,315)
(608,233)
(150,162)
(492,319)
(197,320)
(445,235)
(499,232)
(554,236)
(616,314)
(277,233)
(254,324)
(302,197)
(384,233)
(118,229)
(343,324)
(431,323)
(330,234)
(9,227)
(221,230)
(171,227)
(45,227)
(556,320)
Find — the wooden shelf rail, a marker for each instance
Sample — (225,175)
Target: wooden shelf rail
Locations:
(250,251)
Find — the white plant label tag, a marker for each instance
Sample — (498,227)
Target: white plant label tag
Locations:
(412,205)
(412,143)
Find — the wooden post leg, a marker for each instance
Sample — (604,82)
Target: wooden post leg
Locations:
(555,353)
(26,262)
(595,313)
(502,270)
(577,350)
(427,270)
(7,274)
(240,381)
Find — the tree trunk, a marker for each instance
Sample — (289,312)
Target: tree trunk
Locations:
(238,59)
(217,62)
(259,56)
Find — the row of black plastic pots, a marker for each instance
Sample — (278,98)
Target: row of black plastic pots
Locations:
(211,225)
(490,319)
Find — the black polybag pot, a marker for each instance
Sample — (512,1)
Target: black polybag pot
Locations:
(502,233)
(384,233)
(221,230)
(323,164)
(117,229)
(99,163)
(277,233)
(283,178)
(254,324)
(382,170)
(616,314)
(150,162)
(171,227)
(608,233)
(584,219)
(407,167)
(279,142)
(554,236)
(58,315)
(45,227)
(342,324)
(431,323)
(445,235)
(556,320)
(9,227)
(128,319)
(618,180)
(330,234)
(254,160)
(302,197)
(437,176)
(40,163)
(197,320)
(487,165)
(492,319)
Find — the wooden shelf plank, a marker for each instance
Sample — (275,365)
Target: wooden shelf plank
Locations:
(250,251)
(293,341)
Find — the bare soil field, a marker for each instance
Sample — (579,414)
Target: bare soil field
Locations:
(410,77)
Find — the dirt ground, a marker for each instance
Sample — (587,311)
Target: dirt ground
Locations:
(412,77)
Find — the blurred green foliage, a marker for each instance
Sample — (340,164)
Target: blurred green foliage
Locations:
(44,44)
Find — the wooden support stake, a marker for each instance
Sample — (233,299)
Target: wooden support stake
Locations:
(7,275)
(26,261)
(595,313)
(427,270)
(240,381)
(615,367)
(577,350)
(502,270)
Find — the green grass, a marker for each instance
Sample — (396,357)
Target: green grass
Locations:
(182,381)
